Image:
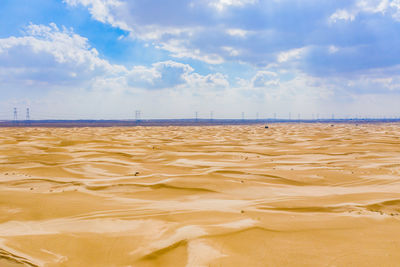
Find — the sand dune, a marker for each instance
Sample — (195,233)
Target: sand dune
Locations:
(290,195)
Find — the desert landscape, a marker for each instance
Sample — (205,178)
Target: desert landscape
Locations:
(291,195)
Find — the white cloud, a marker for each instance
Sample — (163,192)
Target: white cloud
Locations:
(250,31)
(231,51)
(222,4)
(207,82)
(103,10)
(291,54)
(179,49)
(306,60)
(333,49)
(161,75)
(395,5)
(238,32)
(265,79)
(342,14)
(49,55)
(372,6)
(186,30)
(172,74)
(152,32)
(391,7)
(86,84)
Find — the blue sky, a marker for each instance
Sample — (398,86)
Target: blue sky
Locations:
(108,58)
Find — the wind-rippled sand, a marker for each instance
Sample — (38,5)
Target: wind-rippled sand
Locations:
(291,195)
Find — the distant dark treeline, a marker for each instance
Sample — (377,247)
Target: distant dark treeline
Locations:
(174,122)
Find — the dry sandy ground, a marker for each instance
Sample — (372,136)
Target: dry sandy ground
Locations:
(291,195)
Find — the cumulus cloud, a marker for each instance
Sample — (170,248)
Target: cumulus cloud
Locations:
(200,31)
(342,14)
(390,7)
(265,79)
(250,53)
(49,55)
(170,74)
(237,32)
(207,82)
(222,4)
(103,10)
(161,75)
(261,33)
(290,55)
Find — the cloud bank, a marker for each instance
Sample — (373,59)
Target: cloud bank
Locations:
(222,55)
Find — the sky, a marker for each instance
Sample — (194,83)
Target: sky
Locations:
(105,59)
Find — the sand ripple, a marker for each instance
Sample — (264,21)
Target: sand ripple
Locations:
(290,195)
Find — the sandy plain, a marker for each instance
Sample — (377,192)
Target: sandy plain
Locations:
(291,195)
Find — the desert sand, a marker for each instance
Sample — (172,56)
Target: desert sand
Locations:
(290,195)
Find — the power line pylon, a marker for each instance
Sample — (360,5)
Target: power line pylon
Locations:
(15,115)
(137,115)
(28,116)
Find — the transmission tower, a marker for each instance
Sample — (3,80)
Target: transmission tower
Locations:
(290,115)
(28,116)
(137,115)
(242,116)
(15,115)
(196,114)
(211,115)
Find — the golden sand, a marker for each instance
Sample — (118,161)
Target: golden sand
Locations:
(291,195)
